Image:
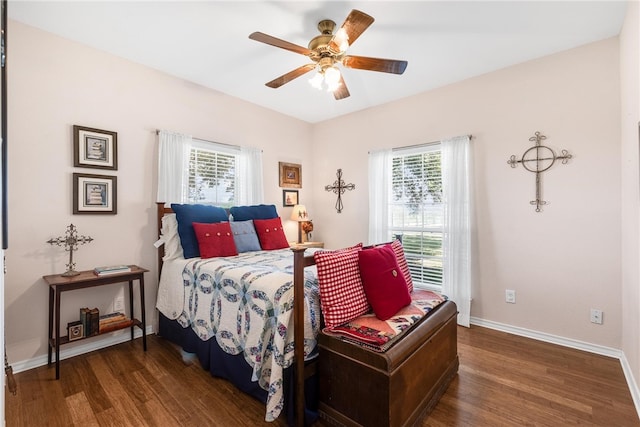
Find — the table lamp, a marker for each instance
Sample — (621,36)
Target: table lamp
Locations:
(299,214)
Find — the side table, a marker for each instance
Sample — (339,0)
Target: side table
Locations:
(88,279)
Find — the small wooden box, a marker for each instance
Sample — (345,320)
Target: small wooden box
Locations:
(360,387)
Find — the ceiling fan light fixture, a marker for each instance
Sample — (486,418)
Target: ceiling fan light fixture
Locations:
(316,81)
(332,78)
(327,76)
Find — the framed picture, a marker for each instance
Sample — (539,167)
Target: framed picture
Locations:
(94,194)
(289,197)
(95,148)
(290,175)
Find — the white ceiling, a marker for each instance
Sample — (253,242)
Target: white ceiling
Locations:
(207,41)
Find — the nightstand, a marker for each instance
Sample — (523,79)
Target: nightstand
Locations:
(307,244)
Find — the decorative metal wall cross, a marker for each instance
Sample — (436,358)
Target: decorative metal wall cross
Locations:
(538,159)
(70,241)
(339,187)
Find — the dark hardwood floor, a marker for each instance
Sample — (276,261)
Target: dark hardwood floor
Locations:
(504,380)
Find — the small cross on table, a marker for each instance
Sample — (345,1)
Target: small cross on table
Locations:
(543,158)
(70,242)
(339,187)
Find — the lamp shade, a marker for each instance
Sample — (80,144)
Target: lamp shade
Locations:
(299,213)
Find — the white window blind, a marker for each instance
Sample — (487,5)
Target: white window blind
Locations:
(212,177)
(416,211)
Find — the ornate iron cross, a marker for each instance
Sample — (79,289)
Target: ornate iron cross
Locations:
(70,241)
(538,159)
(339,187)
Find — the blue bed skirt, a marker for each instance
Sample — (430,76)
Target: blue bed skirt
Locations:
(236,370)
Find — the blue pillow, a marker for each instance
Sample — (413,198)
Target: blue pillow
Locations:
(245,236)
(186,216)
(244,213)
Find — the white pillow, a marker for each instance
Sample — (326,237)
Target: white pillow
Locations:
(169,234)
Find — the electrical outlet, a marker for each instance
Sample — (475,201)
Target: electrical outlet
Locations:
(510,296)
(118,303)
(596,316)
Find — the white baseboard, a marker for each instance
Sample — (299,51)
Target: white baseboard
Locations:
(633,385)
(553,339)
(70,350)
(568,342)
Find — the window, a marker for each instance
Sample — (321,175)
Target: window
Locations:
(197,171)
(422,195)
(416,211)
(212,174)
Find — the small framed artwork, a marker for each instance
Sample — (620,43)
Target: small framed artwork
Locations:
(289,197)
(95,148)
(290,175)
(94,194)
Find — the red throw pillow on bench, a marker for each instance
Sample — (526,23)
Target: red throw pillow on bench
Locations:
(384,282)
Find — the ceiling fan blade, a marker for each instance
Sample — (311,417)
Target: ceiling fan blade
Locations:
(375,64)
(286,78)
(342,92)
(273,41)
(354,25)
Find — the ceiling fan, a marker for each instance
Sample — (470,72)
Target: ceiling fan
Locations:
(327,50)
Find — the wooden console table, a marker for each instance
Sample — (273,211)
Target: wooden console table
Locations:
(87,279)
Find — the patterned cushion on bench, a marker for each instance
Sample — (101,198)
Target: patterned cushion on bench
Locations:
(379,335)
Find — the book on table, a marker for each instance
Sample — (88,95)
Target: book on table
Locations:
(113,321)
(94,321)
(111,317)
(84,320)
(111,269)
(90,320)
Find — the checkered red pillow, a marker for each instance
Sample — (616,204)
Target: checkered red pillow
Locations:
(342,296)
(396,245)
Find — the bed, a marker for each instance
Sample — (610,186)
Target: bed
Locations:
(240,314)
(244,308)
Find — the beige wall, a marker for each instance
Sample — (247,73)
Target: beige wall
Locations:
(561,262)
(630,170)
(54,84)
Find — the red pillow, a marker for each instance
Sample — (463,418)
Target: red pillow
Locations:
(384,283)
(215,239)
(342,296)
(396,245)
(270,234)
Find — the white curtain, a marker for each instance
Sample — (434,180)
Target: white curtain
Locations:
(456,241)
(379,188)
(250,189)
(173,167)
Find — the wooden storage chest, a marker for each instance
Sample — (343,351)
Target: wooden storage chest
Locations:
(361,387)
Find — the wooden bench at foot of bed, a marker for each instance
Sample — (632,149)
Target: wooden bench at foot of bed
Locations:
(361,387)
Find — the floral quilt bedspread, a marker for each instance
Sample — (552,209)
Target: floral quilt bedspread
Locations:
(246,303)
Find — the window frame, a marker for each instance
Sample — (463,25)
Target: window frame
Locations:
(218,149)
(395,229)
